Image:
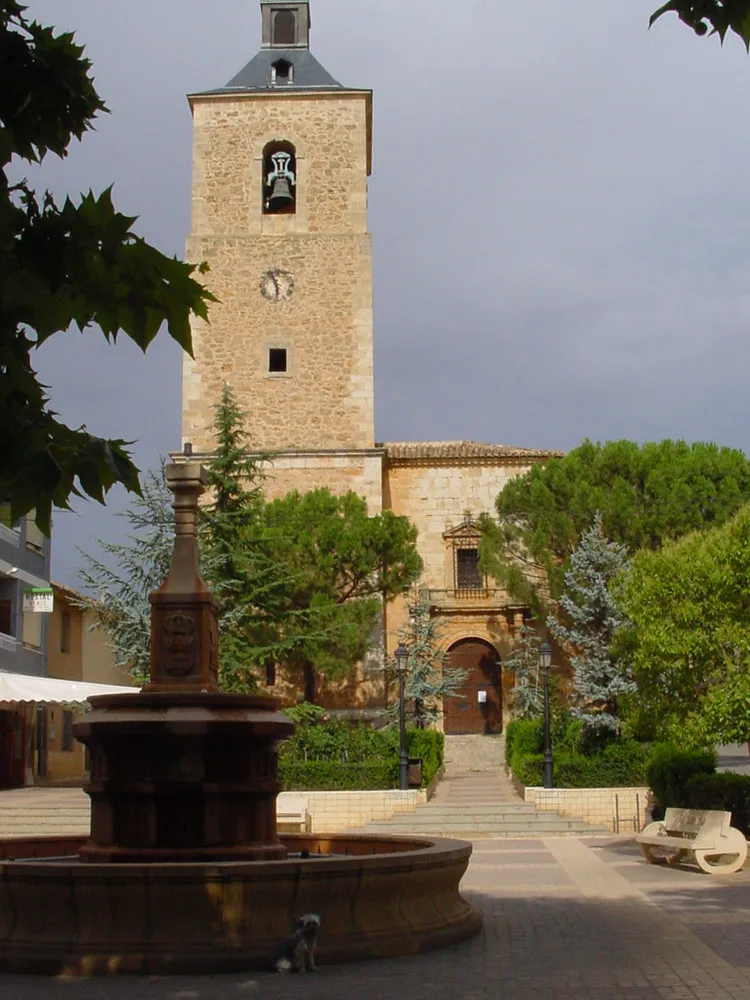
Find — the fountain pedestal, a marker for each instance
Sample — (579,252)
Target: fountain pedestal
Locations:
(183,777)
(182,772)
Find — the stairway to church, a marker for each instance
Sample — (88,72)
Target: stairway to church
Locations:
(469,754)
(476,800)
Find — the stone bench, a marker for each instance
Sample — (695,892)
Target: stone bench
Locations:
(717,847)
(292,815)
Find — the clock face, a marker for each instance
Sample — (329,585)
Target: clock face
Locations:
(277,285)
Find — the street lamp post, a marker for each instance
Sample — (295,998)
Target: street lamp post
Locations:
(545,660)
(402,658)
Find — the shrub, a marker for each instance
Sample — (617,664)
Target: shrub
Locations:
(342,744)
(620,763)
(530,769)
(326,775)
(428,744)
(730,792)
(526,738)
(670,769)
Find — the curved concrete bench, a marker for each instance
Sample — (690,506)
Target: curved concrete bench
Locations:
(704,833)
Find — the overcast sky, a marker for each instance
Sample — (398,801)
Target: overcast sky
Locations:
(559,207)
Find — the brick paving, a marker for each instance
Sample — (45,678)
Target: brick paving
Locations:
(564,918)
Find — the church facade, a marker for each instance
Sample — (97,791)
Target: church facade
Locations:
(281,157)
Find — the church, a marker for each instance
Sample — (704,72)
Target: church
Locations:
(281,158)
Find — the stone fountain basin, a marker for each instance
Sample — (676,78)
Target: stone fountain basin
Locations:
(377,897)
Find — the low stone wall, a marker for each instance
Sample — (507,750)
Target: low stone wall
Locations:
(599,806)
(331,812)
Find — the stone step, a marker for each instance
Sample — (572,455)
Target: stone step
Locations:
(485,831)
(50,817)
(548,820)
(474,754)
(542,821)
(476,815)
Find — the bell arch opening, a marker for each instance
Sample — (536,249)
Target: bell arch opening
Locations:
(284,27)
(477,706)
(279,179)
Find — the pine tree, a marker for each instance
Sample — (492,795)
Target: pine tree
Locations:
(230,556)
(256,622)
(426,682)
(523,660)
(341,564)
(589,618)
(129,571)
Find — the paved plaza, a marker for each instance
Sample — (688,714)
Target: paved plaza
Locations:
(564,918)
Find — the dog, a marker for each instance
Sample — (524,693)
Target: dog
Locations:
(297,952)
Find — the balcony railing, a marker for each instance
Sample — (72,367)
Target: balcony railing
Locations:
(8,643)
(470,595)
(11,535)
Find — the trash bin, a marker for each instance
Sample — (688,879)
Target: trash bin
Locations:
(414,772)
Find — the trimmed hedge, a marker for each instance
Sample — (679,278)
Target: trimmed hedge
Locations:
(356,755)
(620,764)
(670,770)
(616,764)
(330,776)
(727,791)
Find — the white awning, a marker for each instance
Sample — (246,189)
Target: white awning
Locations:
(21,689)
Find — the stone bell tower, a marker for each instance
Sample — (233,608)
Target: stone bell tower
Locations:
(281,156)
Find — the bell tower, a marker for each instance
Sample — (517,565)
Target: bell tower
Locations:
(281,156)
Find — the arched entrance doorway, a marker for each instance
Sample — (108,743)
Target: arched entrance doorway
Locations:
(480,707)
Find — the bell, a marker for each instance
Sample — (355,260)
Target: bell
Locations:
(281,194)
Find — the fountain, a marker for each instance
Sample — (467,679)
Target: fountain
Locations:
(184,871)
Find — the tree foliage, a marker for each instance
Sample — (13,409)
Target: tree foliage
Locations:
(341,565)
(77,265)
(646,494)
(426,681)
(689,646)
(248,584)
(523,661)
(127,572)
(587,621)
(718,16)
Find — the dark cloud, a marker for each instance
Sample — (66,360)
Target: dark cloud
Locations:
(558,207)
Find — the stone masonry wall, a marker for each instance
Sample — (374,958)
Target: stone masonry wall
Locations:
(435,496)
(323,315)
(360,472)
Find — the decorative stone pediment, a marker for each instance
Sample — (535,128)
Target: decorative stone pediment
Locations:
(468,530)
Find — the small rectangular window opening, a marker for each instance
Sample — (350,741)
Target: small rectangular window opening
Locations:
(277,361)
(67,732)
(6,615)
(270,673)
(65,632)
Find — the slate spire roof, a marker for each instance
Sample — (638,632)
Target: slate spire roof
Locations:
(301,70)
(257,75)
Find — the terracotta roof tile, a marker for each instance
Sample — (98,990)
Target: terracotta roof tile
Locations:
(406,450)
